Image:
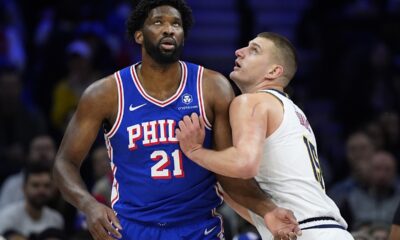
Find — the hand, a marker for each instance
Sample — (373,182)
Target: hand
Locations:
(282,224)
(191,133)
(102,222)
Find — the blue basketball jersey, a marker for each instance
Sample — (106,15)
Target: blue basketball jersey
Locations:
(154,182)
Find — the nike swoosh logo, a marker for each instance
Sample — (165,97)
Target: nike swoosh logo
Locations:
(132,108)
(206,231)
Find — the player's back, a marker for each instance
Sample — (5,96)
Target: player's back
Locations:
(290,170)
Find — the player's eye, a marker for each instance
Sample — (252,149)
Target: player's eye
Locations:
(177,24)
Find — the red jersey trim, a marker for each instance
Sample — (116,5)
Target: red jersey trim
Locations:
(115,188)
(154,100)
(200,97)
(120,106)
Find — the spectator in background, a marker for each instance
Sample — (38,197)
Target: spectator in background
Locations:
(32,216)
(390,123)
(13,235)
(360,235)
(379,231)
(375,131)
(103,178)
(395,228)
(20,122)
(68,91)
(359,150)
(378,201)
(50,234)
(41,149)
(12,48)
(103,175)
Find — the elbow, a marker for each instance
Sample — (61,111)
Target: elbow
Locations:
(56,171)
(61,167)
(247,167)
(249,172)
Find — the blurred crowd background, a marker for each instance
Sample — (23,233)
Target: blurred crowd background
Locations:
(348,84)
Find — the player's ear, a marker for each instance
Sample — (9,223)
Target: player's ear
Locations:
(139,37)
(274,71)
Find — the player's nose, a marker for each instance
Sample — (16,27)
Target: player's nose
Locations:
(168,29)
(239,52)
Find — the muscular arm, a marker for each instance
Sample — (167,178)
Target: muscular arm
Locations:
(97,104)
(248,119)
(218,95)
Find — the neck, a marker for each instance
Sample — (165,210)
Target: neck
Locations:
(33,212)
(159,80)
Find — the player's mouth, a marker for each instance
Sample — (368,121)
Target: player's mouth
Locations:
(237,65)
(168,44)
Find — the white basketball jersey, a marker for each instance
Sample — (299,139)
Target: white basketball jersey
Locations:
(290,171)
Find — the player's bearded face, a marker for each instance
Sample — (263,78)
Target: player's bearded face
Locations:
(161,55)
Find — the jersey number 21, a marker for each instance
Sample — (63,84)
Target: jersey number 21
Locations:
(160,171)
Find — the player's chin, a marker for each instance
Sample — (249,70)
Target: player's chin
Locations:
(234,75)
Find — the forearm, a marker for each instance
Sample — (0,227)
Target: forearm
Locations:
(230,162)
(239,209)
(248,194)
(71,185)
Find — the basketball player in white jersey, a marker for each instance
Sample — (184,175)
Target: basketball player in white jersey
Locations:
(272,141)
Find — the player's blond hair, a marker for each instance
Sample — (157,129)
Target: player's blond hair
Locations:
(286,54)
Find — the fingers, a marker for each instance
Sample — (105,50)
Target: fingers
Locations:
(291,217)
(98,232)
(114,219)
(182,126)
(102,231)
(292,236)
(297,230)
(187,120)
(202,123)
(103,223)
(178,134)
(113,222)
(195,120)
(192,121)
(110,229)
(286,235)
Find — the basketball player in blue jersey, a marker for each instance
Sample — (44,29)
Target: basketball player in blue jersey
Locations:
(272,141)
(158,193)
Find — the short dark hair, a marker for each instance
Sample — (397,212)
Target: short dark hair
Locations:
(140,13)
(286,50)
(36,168)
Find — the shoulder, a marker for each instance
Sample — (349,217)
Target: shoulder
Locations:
(12,189)
(53,215)
(256,101)
(14,180)
(216,84)
(251,99)
(101,94)
(215,78)
(102,88)
(12,210)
